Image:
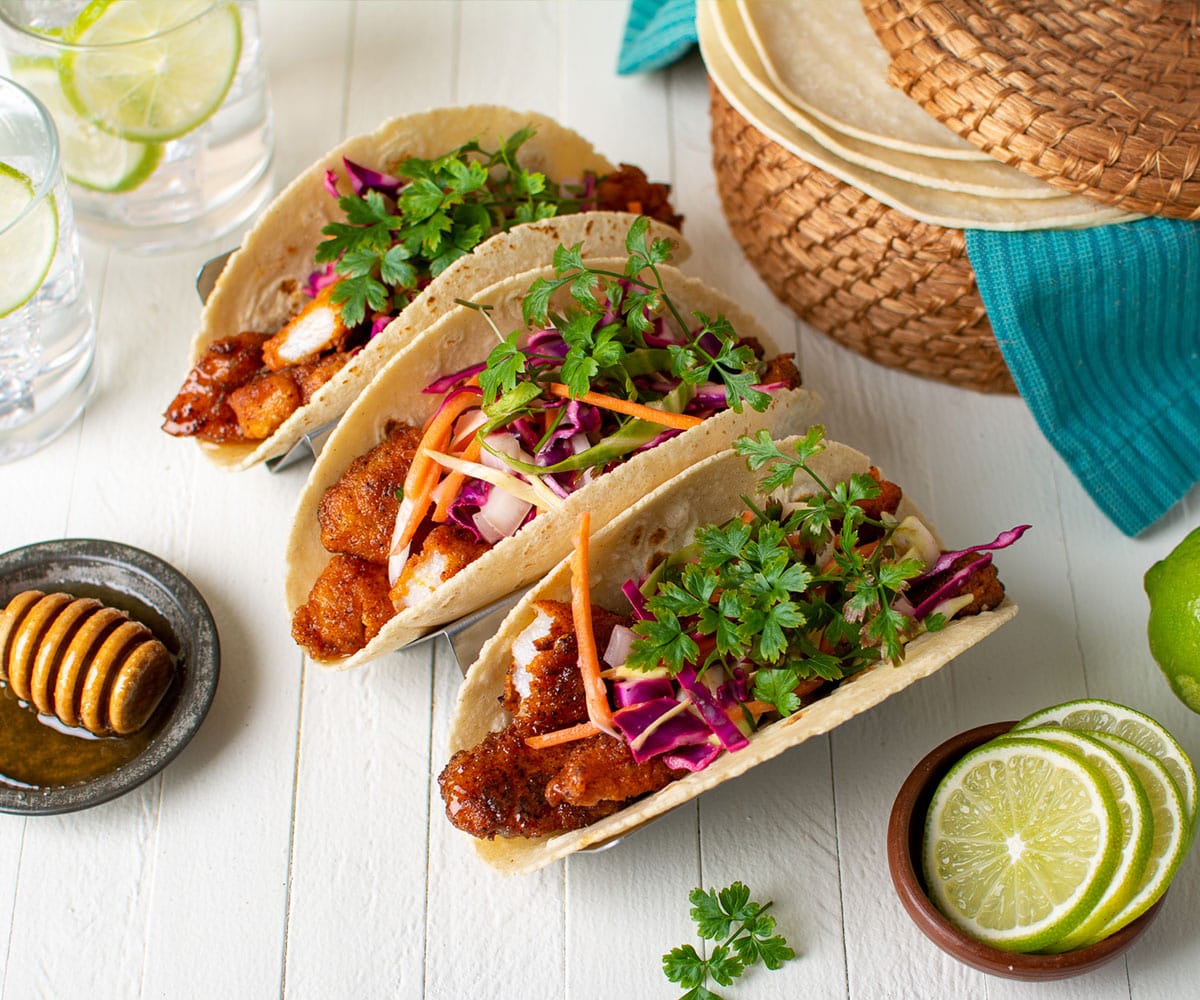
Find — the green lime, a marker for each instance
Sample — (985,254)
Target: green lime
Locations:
(28,239)
(91,157)
(1173,586)
(1137,829)
(1021,840)
(151,71)
(1108,717)
(1171,832)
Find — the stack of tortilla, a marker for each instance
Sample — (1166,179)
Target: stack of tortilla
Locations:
(812,76)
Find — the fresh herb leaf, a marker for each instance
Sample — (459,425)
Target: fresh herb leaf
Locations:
(746,935)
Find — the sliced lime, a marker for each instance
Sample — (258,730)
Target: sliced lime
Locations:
(1021,840)
(151,71)
(1137,828)
(1171,831)
(28,238)
(1109,717)
(91,157)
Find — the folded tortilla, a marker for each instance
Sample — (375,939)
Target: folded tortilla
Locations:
(464,337)
(257,288)
(629,546)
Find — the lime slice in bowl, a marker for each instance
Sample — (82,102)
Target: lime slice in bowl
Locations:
(1137,828)
(28,244)
(148,71)
(91,157)
(1021,839)
(1108,717)
(1172,833)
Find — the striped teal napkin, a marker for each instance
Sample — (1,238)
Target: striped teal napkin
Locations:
(1100,327)
(1101,330)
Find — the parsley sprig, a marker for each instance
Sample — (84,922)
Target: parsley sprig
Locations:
(446,207)
(746,934)
(745,595)
(606,326)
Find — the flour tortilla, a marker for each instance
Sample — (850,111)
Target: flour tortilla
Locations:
(258,286)
(464,337)
(626,547)
(952,209)
(983,176)
(823,56)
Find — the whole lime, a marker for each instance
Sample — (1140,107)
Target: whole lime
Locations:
(1173,586)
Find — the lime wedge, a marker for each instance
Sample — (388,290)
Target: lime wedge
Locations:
(1021,840)
(1171,831)
(27,244)
(1109,717)
(91,157)
(151,71)
(1137,829)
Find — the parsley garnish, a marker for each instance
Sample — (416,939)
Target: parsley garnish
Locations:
(447,207)
(746,595)
(748,938)
(605,331)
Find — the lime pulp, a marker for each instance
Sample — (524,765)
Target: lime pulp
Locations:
(147,71)
(28,239)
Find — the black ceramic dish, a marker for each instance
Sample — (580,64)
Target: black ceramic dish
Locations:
(162,598)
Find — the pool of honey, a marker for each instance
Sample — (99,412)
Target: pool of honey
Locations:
(39,751)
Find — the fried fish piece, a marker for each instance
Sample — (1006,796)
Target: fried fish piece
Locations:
(358,512)
(345,610)
(201,408)
(600,770)
(446,550)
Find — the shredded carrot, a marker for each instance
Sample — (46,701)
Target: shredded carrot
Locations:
(451,485)
(680,421)
(581,612)
(424,472)
(568,735)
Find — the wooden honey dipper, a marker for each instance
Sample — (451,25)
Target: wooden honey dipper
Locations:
(88,664)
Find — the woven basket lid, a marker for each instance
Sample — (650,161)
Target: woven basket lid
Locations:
(1100,99)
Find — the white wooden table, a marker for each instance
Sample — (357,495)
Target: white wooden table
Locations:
(298,848)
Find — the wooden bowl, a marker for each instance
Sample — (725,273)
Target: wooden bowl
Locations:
(905,832)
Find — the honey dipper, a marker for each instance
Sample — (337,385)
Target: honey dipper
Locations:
(88,664)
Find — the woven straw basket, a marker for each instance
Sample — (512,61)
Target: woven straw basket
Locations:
(902,292)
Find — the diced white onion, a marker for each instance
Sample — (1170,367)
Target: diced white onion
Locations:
(501,515)
(617,651)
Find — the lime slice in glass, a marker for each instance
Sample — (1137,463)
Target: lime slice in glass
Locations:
(27,245)
(1109,717)
(1137,828)
(1021,840)
(149,71)
(91,157)
(1171,831)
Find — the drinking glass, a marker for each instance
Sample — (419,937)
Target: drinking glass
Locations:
(47,338)
(162,111)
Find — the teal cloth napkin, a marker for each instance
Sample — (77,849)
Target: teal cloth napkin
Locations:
(1101,330)
(657,32)
(1100,327)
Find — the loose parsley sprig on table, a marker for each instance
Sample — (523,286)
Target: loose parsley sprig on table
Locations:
(748,938)
(446,208)
(605,330)
(749,597)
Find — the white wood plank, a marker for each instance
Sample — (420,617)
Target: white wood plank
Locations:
(484,932)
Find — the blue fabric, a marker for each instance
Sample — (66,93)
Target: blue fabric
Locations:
(1101,329)
(657,32)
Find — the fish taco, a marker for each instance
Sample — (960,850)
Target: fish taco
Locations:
(763,597)
(454,478)
(370,245)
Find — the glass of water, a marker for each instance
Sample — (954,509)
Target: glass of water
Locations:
(162,112)
(47,337)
